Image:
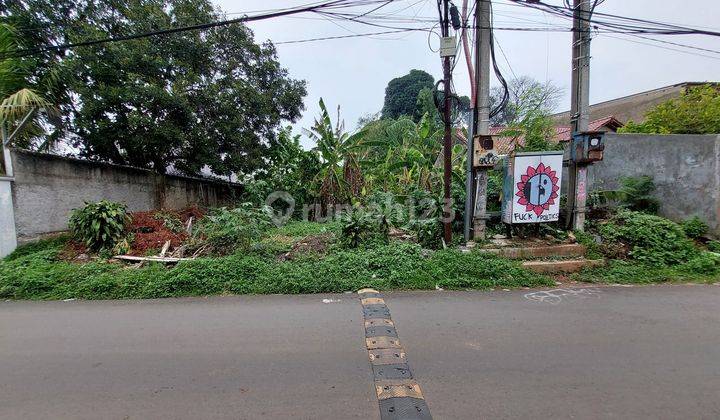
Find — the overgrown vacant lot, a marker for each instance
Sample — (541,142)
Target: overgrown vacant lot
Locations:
(285,260)
(238,252)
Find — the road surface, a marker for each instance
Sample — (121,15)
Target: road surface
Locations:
(580,352)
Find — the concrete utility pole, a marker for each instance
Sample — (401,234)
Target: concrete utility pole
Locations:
(481,114)
(447,117)
(579,110)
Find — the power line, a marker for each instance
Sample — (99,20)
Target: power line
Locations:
(325,38)
(330,10)
(623,23)
(313,8)
(658,46)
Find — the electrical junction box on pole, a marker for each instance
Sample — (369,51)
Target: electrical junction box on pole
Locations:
(448,46)
(587,147)
(531,191)
(484,154)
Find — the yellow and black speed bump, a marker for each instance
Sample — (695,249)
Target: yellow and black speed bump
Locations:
(385,372)
(376,311)
(404,408)
(399,395)
(380,331)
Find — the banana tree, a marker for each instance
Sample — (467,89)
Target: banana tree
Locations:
(399,154)
(340,178)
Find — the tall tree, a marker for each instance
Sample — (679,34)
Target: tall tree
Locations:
(526,95)
(530,124)
(426,105)
(193,99)
(401,94)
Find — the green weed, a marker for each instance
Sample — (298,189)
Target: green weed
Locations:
(41,275)
(651,239)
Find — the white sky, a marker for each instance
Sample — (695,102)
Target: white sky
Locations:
(353,72)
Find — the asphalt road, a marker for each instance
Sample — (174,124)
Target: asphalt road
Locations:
(645,352)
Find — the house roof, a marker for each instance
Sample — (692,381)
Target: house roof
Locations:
(564,132)
(505,145)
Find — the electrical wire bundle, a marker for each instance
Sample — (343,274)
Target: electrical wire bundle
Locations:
(322,8)
(356,11)
(616,23)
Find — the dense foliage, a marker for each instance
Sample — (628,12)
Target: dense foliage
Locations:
(696,111)
(99,225)
(401,94)
(226,231)
(187,100)
(526,116)
(339,178)
(290,168)
(22,90)
(40,275)
(702,268)
(694,227)
(399,155)
(362,227)
(714,246)
(650,239)
(636,193)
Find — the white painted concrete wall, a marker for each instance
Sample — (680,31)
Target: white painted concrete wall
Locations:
(8,237)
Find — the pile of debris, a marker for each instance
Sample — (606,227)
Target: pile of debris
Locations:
(159,235)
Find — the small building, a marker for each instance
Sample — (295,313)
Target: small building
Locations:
(633,107)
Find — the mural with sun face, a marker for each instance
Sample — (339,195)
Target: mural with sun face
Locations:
(534,182)
(538,188)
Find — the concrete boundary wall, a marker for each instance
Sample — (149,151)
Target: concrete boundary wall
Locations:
(685,169)
(47,188)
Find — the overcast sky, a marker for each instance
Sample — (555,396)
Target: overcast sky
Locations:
(353,72)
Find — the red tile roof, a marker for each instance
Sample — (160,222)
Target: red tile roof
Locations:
(504,145)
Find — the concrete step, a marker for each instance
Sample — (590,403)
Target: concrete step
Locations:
(565,250)
(561,266)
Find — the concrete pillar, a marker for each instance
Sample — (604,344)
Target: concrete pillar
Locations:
(8,235)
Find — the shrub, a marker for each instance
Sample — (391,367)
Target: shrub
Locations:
(705,263)
(228,230)
(650,239)
(593,249)
(694,227)
(714,246)
(389,205)
(99,225)
(429,233)
(636,194)
(363,227)
(171,221)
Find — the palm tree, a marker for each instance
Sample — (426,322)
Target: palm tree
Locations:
(340,178)
(17,95)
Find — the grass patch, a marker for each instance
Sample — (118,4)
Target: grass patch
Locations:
(53,243)
(300,229)
(704,268)
(281,239)
(37,271)
(40,275)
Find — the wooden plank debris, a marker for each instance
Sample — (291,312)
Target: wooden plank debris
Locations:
(155,259)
